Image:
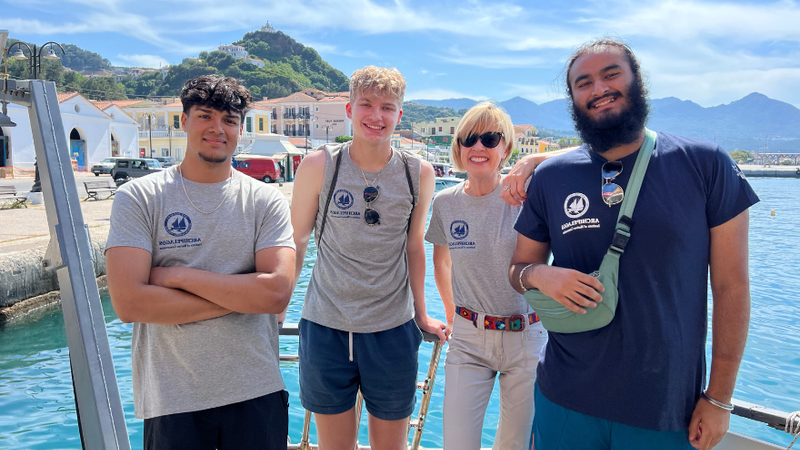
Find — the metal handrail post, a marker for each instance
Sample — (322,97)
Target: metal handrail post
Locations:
(427,393)
(99,407)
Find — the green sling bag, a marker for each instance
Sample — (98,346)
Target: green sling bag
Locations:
(555,316)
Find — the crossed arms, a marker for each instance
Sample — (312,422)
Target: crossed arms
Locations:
(176,295)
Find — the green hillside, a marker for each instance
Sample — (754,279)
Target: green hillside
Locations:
(288,67)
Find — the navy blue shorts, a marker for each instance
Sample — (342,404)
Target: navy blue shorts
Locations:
(258,424)
(384,366)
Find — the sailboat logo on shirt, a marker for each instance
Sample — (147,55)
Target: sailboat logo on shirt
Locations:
(576,205)
(343,199)
(178,224)
(459,229)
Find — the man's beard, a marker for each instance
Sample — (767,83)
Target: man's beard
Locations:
(614,130)
(210,159)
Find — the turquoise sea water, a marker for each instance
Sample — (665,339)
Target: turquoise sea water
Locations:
(36,401)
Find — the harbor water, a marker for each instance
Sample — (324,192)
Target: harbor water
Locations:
(37,410)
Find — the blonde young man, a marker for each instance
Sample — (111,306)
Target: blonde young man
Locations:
(367,205)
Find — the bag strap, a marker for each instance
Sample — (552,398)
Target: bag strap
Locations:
(625,222)
(410,188)
(333,188)
(330,195)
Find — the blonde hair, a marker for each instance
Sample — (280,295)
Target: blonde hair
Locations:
(481,118)
(385,82)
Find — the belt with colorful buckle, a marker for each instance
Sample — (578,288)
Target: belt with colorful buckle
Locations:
(512,323)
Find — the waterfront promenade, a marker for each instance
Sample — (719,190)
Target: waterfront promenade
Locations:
(25,235)
(24,228)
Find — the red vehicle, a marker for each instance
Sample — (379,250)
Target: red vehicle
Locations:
(266,169)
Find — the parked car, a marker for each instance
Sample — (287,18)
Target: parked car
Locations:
(165,161)
(127,168)
(266,169)
(104,166)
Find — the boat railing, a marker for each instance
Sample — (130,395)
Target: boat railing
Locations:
(426,386)
(779,420)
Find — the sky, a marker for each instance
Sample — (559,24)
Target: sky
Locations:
(709,52)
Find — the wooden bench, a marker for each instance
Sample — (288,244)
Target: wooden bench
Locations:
(95,187)
(9,193)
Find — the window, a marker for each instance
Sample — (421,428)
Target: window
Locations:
(316,109)
(248,124)
(452,130)
(260,124)
(176,121)
(165,151)
(122,164)
(440,129)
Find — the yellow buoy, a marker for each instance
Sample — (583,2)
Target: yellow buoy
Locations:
(772,213)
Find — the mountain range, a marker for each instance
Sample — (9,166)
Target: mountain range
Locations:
(752,123)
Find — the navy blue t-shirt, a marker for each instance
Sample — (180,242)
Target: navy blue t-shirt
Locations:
(647,367)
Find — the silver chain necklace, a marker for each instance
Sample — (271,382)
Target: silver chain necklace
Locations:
(180,172)
(365,175)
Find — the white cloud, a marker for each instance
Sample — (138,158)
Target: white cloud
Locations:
(144,61)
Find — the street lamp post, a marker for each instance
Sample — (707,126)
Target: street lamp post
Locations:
(150,117)
(35,64)
(327,129)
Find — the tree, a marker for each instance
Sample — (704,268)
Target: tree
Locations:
(741,156)
(514,156)
(343,139)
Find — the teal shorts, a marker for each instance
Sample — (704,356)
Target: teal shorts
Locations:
(558,428)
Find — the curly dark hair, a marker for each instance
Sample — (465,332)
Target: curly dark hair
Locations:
(220,93)
(598,45)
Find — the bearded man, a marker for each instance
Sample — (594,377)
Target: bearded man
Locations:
(640,381)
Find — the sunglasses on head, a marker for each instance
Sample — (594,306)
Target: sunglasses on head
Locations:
(371,217)
(489,139)
(612,192)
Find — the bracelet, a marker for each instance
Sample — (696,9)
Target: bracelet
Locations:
(717,403)
(521,272)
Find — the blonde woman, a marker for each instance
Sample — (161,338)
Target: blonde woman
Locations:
(494,331)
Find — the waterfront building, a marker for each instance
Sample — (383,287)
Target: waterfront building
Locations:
(161,134)
(526,139)
(310,113)
(94,132)
(439,132)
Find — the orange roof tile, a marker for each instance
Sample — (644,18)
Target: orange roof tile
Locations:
(299,142)
(64,96)
(172,105)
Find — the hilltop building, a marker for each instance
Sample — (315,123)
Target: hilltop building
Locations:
(237,51)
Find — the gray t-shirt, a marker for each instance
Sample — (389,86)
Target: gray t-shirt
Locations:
(215,362)
(479,231)
(360,279)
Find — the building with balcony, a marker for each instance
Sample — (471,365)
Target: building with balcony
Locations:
(311,114)
(161,132)
(526,139)
(440,132)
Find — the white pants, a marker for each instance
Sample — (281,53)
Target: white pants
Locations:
(474,357)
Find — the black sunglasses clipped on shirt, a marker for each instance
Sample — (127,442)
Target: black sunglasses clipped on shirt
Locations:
(489,139)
